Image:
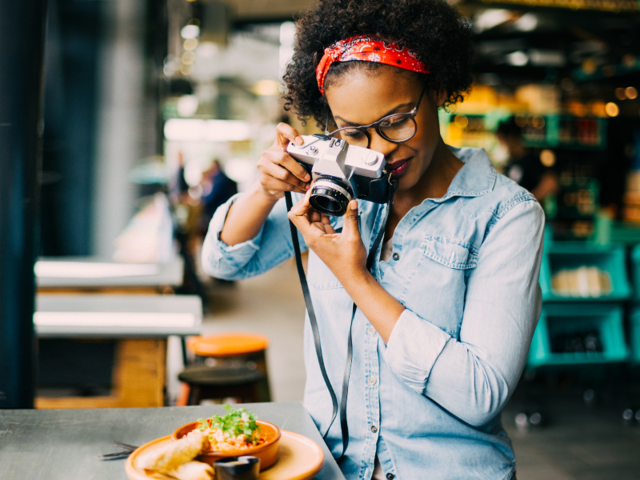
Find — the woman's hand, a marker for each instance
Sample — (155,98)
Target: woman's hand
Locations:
(344,253)
(279,172)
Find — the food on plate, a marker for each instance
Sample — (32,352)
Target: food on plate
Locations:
(237,429)
(170,457)
(192,471)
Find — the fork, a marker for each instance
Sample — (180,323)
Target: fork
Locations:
(124,453)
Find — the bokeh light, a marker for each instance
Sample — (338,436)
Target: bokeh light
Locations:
(612,109)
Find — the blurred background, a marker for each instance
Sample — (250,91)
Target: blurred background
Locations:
(155,113)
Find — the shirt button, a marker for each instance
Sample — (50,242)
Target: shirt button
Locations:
(390,476)
(374,429)
(372,381)
(371,331)
(396,257)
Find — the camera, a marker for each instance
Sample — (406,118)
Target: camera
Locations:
(342,172)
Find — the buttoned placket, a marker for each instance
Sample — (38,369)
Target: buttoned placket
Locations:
(372,360)
(371,376)
(372,399)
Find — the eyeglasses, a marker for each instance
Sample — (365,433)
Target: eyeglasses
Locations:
(396,128)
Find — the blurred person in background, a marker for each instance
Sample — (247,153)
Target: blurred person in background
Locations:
(446,314)
(524,166)
(217,188)
(178,186)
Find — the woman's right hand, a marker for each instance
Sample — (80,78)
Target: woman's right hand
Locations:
(279,171)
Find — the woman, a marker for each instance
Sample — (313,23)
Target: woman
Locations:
(447,312)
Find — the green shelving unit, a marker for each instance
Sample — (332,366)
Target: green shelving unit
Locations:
(567,318)
(601,321)
(635,261)
(573,255)
(635,335)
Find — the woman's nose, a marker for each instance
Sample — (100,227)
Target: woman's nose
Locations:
(380,144)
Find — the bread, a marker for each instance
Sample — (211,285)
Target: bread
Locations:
(172,455)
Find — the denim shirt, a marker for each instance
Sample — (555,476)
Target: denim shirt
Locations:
(465,267)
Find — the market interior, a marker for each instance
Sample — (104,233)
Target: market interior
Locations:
(155,113)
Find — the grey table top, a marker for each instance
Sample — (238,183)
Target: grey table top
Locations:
(117,315)
(64,444)
(93,272)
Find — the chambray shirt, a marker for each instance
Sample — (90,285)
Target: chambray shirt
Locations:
(465,267)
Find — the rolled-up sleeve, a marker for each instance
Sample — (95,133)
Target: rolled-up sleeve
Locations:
(413,348)
(473,377)
(270,247)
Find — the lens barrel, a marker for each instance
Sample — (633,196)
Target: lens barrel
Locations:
(331,196)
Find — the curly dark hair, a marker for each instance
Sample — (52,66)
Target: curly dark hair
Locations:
(432,29)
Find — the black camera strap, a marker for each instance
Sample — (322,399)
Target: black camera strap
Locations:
(314,322)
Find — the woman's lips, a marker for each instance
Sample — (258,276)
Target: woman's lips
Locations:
(399,167)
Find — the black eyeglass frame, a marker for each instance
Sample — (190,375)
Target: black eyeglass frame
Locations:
(365,128)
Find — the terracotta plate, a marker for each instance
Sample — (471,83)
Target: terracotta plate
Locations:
(300,458)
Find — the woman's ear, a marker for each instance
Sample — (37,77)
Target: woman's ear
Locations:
(439,96)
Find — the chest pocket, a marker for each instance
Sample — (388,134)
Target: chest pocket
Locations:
(450,252)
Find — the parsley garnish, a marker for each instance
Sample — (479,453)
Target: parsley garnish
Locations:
(236,422)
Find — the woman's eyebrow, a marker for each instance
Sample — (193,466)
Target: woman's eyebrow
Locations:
(393,110)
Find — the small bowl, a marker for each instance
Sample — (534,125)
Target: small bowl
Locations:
(267,452)
(237,468)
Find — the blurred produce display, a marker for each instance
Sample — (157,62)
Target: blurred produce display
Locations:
(582,282)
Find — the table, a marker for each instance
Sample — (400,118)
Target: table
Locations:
(94,315)
(140,324)
(100,274)
(64,444)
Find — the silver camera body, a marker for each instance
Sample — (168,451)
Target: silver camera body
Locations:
(341,172)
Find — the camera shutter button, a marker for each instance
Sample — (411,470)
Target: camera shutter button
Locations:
(370,159)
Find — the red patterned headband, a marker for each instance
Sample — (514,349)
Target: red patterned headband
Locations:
(368,48)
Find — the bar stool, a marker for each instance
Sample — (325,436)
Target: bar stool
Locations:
(231,363)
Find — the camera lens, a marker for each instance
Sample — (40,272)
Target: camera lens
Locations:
(330,196)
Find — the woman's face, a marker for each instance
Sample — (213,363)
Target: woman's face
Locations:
(364,97)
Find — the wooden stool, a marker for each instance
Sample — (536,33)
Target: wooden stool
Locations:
(204,382)
(228,351)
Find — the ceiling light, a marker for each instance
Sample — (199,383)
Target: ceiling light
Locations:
(547,58)
(517,59)
(190,31)
(526,23)
(187,105)
(612,109)
(547,158)
(190,43)
(489,19)
(182,129)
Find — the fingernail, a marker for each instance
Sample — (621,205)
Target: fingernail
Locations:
(299,140)
(307,187)
(354,205)
(307,177)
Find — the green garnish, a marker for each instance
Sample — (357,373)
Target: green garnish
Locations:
(236,422)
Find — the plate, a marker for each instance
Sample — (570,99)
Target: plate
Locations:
(300,458)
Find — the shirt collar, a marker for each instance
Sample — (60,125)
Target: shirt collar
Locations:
(476,178)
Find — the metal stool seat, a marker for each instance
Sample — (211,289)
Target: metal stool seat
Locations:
(206,382)
(231,352)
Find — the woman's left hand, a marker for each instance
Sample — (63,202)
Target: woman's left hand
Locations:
(343,253)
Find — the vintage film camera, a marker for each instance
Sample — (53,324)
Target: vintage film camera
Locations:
(342,172)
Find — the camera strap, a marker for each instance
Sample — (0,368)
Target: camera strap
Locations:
(312,314)
(314,322)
